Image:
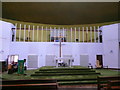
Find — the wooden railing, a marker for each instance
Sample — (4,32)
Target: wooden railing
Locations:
(32,33)
(41,84)
(108,83)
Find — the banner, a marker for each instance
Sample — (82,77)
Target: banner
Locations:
(20,66)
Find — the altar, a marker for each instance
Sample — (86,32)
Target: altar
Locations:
(65,60)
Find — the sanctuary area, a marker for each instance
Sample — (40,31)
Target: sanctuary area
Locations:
(60,46)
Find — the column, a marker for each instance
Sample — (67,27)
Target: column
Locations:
(33,33)
(50,33)
(29,33)
(37,33)
(20,33)
(42,35)
(79,34)
(75,34)
(71,34)
(24,32)
(91,34)
(83,33)
(46,33)
(15,32)
(63,34)
(54,33)
(98,34)
(86,34)
(94,34)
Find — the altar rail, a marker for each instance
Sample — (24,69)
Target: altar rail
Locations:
(33,84)
(105,83)
(32,33)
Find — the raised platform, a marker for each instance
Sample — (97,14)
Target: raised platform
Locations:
(69,76)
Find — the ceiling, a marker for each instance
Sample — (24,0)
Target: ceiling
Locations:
(61,13)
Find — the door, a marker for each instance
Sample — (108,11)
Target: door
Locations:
(32,61)
(99,61)
(84,60)
(50,60)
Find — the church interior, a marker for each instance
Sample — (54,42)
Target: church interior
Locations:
(60,45)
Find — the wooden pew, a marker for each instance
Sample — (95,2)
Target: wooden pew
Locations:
(104,82)
(115,84)
(45,84)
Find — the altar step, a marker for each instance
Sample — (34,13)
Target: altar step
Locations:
(63,74)
(78,82)
(65,71)
(62,68)
(69,76)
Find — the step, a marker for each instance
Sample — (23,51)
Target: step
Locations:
(73,71)
(64,69)
(29,81)
(35,84)
(77,83)
(81,79)
(62,74)
(45,86)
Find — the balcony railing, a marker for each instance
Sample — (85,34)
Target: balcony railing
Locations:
(31,33)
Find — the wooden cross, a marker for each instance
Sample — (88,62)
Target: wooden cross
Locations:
(60,51)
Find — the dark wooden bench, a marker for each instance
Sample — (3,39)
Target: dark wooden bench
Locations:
(45,84)
(106,82)
(114,84)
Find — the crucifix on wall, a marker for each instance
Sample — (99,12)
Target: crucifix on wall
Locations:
(60,50)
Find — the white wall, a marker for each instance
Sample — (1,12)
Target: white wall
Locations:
(0,40)
(110,45)
(119,45)
(23,49)
(109,48)
(5,39)
(52,48)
